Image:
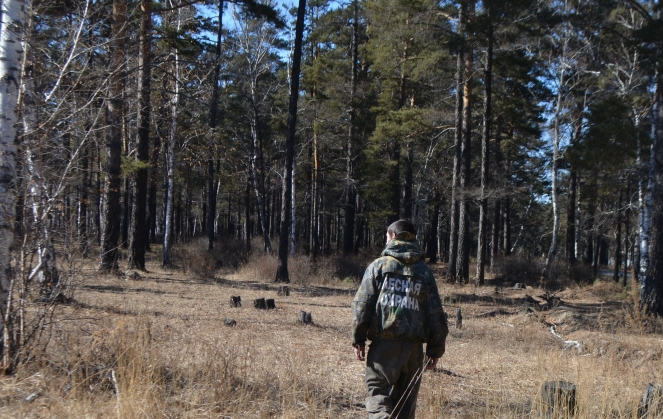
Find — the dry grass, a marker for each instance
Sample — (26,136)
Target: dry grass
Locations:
(164,339)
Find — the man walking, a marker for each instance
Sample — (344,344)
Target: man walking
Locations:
(398,308)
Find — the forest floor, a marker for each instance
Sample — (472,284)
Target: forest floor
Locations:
(157,346)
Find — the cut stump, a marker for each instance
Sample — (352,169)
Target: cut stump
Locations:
(260,303)
(236,301)
(558,400)
(459,319)
(305,318)
(270,304)
(651,405)
(284,291)
(230,322)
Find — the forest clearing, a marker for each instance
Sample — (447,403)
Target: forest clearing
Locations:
(162,158)
(163,337)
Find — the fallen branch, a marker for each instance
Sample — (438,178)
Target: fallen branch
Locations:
(567,343)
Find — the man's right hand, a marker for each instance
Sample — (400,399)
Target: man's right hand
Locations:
(360,352)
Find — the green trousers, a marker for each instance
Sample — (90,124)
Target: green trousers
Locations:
(390,368)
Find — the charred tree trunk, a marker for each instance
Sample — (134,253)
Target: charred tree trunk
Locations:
(139,238)
(433,238)
(485,158)
(83,243)
(247,215)
(497,210)
(350,191)
(458,139)
(627,235)
(506,212)
(282,269)
(112,208)
(618,239)
(408,204)
(463,261)
(652,289)
(211,196)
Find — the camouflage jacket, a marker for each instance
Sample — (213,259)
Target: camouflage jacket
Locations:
(398,300)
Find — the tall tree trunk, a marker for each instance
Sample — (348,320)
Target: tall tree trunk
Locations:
(408,186)
(571,218)
(126,207)
(315,174)
(258,175)
(98,201)
(247,216)
(170,161)
(497,210)
(645,195)
(618,239)
(161,134)
(652,288)
(506,229)
(350,208)
(571,207)
(83,203)
(139,237)
(293,219)
(589,252)
(552,251)
(11,56)
(433,237)
(112,209)
(458,140)
(485,157)
(395,151)
(282,269)
(211,196)
(463,258)
(627,235)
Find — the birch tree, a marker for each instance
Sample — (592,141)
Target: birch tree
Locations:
(11,55)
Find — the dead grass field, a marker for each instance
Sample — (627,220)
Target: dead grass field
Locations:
(158,347)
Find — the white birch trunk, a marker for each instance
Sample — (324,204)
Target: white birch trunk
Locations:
(645,203)
(554,169)
(11,54)
(170,164)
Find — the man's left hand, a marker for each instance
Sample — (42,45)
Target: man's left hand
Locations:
(432,363)
(360,352)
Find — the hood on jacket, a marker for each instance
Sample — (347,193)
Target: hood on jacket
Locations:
(407,251)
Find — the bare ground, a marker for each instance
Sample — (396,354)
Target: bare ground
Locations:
(163,337)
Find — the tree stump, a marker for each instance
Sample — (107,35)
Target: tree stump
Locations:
(284,291)
(270,304)
(651,405)
(236,301)
(558,400)
(305,318)
(459,319)
(260,303)
(230,322)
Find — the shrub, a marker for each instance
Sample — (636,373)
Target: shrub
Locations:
(527,270)
(302,270)
(197,260)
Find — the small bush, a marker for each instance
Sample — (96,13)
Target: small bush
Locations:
(518,268)
(197,260)
(350,266)
(527,270)
(262,267)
